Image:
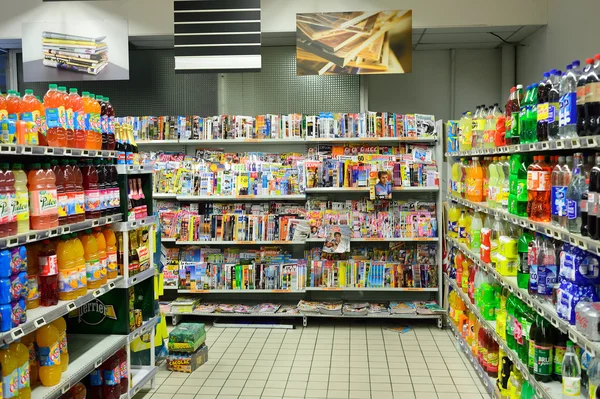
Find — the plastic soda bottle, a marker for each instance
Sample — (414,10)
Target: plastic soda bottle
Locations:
(568,103)
(29,342)
(539,190)
(102,189)
(110,113)
(111,374)
(593,373)
(95,386)
(69,122)
(462,228)
(80,264)
(122,356)
(486,241)
(32,112)
(10,373)
(89,121)
(475,182)
(68,278)
(581,96)
(55,117)
(78,391)
(101,242)
(523,270)
(97,123)
(453,216)
(92,191)
(543,351)
(592,102)
(76,107)
(103,121)
(33,292)
(63,198)
(560,178)
(92,263)
(61,326)
(21,203)
(466,133)
(553,104)
(476,226)
(48,264)
(22,354)
(571,373)
(48,342)
(14,105)
(79,199)
(7,201)
(43,198)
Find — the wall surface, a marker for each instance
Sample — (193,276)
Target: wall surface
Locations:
(155,17)
(570,34)
(428,90)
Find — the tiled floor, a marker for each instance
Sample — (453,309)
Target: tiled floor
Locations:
(330,360)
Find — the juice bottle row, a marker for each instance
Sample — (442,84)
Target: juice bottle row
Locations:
(61,120)
(564,190)
(56,193)
(14,287)
(561,105)
(67,267)
(110,380)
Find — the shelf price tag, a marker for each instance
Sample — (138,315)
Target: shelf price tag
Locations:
(575,143)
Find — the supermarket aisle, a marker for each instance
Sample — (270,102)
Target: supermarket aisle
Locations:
(326,360)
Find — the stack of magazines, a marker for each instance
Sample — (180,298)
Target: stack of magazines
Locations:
(358,309)
(75,53)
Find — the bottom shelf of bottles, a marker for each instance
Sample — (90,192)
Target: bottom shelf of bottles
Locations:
(547,390)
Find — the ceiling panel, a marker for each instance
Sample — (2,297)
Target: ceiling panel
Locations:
(474,29)
(447,46)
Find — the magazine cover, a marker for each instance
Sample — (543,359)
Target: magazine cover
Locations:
(380,184)
(337,240)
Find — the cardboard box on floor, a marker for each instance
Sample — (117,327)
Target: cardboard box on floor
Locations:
(186,362)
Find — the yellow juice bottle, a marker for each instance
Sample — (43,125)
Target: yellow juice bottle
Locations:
(67,272)
(92,263)
(111,252)
(10,373)
(462,228)
(61,326)
(19,350)
(21,205)
(453,216)
(79,262)
(29,342)
(47,340)
(101,241)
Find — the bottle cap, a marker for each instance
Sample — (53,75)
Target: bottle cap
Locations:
(87,231)
(106,99)
(28,91)
(17,166)
(569,343)
(589,61)
(36,166)
(92,96)
(46,165)
(52,86)
(73,90)
(597,57)
(575,63)
(62,88)
(569,67)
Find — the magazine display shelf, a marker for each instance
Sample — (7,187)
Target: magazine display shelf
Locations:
(386,294)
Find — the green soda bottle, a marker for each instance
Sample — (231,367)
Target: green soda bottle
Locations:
(523,270)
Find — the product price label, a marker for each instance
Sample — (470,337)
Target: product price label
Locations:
(123,369)
(544,181)
(111,124)
(4,209)
(63,204)
(24,375)
(87,121)
(543,359)
(43,202)
(93,270)
(533,277)
(82,277)
(52,118)
(8,131)
(112,261)
(542,112)
(572,386)
(48,265)
(49,355)
(111,377)
(591,204)
(104,123)
(10,385)
(568,109)
(67,281)
(21,206)
(104,266)
(572,209)
(92,200)
(559,200)
(33,291)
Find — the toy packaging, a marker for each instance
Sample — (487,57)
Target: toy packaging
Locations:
(187,337)
(187,362)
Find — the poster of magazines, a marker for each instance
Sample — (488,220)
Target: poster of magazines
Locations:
(350,43)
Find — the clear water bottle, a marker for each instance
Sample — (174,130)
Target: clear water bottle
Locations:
(567,127)
(552,85)
(571,372)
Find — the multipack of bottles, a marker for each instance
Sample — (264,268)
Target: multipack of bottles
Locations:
(13,287)
(139,250)
(61,120)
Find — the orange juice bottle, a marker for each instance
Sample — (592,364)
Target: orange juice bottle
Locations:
(10,373)
(61,326)
(33,273)
(3,111)
(88,121)
(22,353)
(97,127)
(76,105)
(55,117)
(29,342)
(101,241)
(92,262)
(79,262)
(68,279)
(69,132)
(111,252)
(14,105)
(477,178)
(47,339)
(32,112)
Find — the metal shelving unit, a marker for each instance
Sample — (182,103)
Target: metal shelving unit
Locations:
(34,150)
(337,191)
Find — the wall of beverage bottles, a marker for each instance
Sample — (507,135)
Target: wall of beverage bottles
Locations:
(523,221)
